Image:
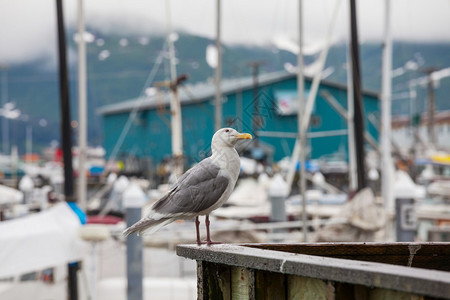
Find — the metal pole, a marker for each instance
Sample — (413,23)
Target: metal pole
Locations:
(386,91)
(358,119)
(218,110)
(300,115)
(351,128)
(66,136)
(94,255)
(278,192)
(133,200)
(82,94)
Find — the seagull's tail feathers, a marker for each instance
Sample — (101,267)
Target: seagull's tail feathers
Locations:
(146,226)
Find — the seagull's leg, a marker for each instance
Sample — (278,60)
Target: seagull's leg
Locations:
(197,223)
(208,237)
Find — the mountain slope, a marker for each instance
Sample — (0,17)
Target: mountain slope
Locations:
(118,67)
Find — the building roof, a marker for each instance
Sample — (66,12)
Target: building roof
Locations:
(440,117)
(203,91)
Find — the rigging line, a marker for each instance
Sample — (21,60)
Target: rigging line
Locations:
(192,97)
(136,107)
(152,74)
(208,113)
(309,104)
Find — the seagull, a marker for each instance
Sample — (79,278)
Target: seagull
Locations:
(199,191)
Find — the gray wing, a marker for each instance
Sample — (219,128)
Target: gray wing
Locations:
(198,189)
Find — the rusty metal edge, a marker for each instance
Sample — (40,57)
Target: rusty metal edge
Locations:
(412,280)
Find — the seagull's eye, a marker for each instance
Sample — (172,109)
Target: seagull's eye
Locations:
(227,130)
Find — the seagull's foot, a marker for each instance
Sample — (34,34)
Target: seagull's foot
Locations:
(209,242)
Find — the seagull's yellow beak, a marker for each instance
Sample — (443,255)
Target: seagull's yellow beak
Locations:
(244,136)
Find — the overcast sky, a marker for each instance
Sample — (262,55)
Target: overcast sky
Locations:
(28,27)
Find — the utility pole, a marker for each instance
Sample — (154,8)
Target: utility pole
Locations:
(431,109)
(82,100)
(414,117)
(386,91)
(300,116)
(175,106)
(256,120)
(255,74)
(218,77)
(29,142)
(358,119)
(66,136)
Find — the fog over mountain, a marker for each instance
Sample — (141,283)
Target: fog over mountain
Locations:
(28,28)
(120,63)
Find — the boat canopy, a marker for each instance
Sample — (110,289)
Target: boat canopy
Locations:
(39,241)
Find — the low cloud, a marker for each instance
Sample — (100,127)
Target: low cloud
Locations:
(28,28)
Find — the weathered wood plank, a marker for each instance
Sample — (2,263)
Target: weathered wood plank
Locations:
(270,285)
(383,294)
(240,283)
(202,281)
(213,281)
(252,284)
(361,292)
(357,277)
(358,248)
(224,280)
(345,291)
(424,255)
(218,281)
(299,288)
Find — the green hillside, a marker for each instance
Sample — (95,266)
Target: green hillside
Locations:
(118,70)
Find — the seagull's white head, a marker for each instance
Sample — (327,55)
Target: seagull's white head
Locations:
(228,137)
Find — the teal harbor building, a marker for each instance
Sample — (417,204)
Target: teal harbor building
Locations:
(267,109)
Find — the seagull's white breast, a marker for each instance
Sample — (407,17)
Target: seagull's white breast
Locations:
(228,160)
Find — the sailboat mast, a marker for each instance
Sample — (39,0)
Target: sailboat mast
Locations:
(218,77)
(357,98)
(82,100)
(300,117)
(431,109)
(386,91)
(66,138)
(175,106)
(66,134)
(353,184)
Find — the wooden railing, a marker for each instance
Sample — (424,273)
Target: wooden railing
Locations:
(322,271)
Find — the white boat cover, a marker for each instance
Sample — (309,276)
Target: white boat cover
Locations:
(9,195)
(38,241)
